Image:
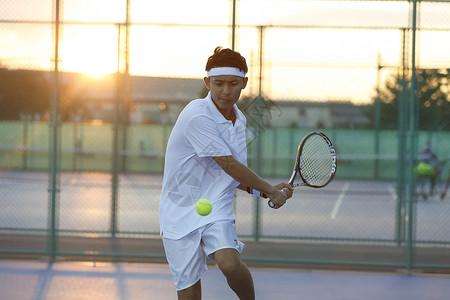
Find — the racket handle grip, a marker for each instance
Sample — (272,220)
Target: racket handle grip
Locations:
(256,192)
(270,203)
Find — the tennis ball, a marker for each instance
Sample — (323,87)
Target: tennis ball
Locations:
(203,207)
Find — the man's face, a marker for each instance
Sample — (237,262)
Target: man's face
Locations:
(225,90)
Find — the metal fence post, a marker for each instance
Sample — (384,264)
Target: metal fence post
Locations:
(377,119)
(259,134)
(233,26)
(54,149)
(402,127)
(412,149)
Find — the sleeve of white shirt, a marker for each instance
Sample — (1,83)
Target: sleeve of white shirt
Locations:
(202,133)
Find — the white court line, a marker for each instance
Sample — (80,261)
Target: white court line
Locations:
(339,200)
(392,191)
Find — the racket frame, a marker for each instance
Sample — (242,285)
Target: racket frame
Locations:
(298,169)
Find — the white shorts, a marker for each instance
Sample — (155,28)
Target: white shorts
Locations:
(187,255)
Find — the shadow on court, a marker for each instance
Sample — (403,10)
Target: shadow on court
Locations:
(23,280)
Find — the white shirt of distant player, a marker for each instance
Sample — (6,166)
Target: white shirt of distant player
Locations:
(190,174)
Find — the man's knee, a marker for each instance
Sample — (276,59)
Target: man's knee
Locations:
(192,292)
(229,262)
(231,268)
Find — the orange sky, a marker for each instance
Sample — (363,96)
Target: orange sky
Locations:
(307,63)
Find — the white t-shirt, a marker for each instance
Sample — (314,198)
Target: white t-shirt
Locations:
(190,174)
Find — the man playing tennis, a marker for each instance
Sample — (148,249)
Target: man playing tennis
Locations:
(206,158)
(427,169)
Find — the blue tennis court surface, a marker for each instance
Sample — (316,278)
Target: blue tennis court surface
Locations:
(344,209)
(34,280)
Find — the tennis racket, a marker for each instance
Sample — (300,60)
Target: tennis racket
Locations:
(316,162)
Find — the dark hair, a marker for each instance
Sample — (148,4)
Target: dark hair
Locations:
(225,57)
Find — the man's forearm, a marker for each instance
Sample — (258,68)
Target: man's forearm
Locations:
(244,175)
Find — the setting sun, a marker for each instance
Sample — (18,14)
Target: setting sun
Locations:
(91,50)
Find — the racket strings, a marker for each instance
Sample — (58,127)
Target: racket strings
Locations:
(316,161)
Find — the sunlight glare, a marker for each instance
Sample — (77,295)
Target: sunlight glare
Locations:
(91,50)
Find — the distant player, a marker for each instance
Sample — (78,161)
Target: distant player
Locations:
(427,169)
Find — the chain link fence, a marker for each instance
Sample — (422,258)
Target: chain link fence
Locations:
(90,91)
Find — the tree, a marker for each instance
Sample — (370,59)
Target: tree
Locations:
(28,92)
(433,95)
(433,92)
(23,92)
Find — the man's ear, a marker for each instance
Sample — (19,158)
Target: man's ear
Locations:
(207,82)
(245,82)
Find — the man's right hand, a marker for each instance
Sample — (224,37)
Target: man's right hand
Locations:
(279,197)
